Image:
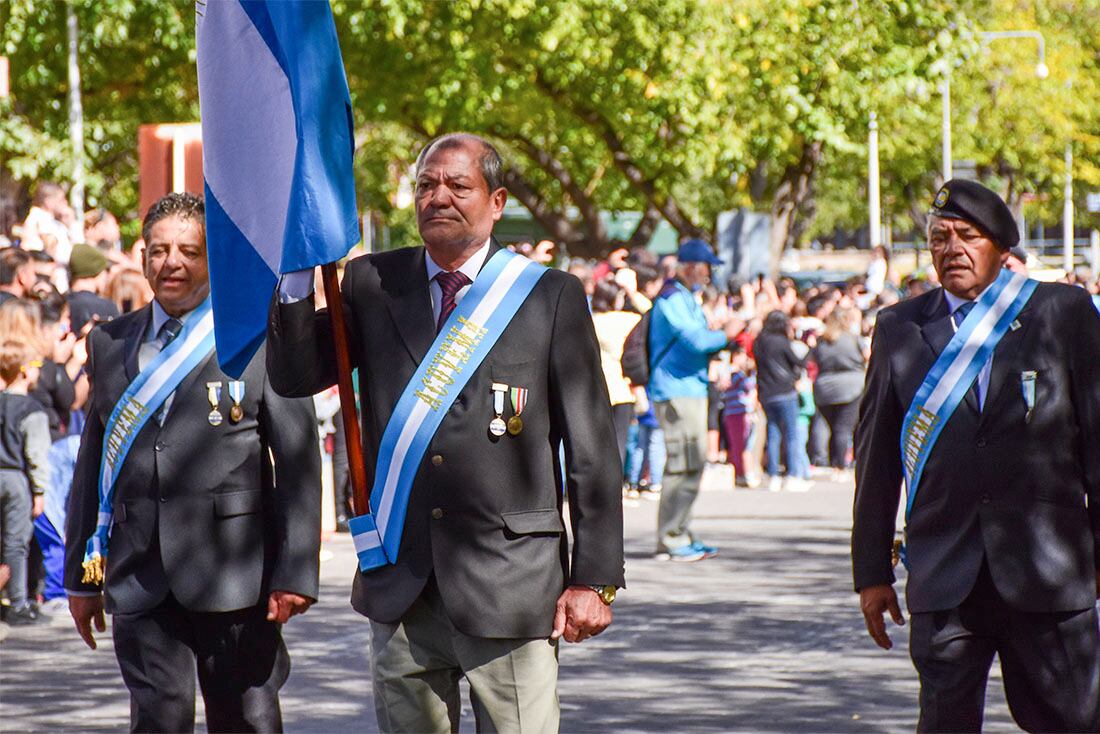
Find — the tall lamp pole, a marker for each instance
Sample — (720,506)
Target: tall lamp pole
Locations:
(873,199)
(945,89)
(1041,71)
(1067,213)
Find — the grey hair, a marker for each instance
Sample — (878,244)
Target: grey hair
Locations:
(491,164)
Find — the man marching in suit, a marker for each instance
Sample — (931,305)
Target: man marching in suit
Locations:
(475,365)
(985,396)
(211,546)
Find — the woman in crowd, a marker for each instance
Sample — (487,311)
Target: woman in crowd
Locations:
(613,324)
(778,369)
(841,364)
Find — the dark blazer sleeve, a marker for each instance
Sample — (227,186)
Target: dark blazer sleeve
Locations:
(289,428)
(1085,375)
(301,354)
(582,412)
(878,465)
(83,507)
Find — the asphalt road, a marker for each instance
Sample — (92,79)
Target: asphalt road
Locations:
(765,637)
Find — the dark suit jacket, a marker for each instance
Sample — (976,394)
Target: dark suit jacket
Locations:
(1023,495)
(485,514)
(198,510)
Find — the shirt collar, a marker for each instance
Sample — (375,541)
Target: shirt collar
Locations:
(470,268)
(953,301)
(159,317)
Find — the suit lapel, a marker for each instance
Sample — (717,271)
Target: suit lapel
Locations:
(410,304)
(999,376)
(132,343)
(187,382)
(410,301)
(938,331)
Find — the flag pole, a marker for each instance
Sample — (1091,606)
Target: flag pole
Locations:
(356,465)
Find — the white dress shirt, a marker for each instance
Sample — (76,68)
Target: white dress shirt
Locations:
(954,303)
(470,269)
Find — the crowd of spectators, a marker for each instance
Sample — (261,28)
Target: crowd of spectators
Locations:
(60,275)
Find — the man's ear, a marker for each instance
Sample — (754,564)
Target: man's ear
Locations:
(498,199)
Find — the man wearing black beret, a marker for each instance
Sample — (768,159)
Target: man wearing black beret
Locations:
(983,400)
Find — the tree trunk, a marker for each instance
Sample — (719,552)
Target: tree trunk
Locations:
(789,196)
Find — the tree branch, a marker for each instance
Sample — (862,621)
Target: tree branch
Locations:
(665,204)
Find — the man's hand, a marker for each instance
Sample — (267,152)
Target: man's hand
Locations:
(580,614)
(39,505)
(876,601)
(85,610)
(282,605)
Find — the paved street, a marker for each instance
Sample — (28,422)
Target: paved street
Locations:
(765,637)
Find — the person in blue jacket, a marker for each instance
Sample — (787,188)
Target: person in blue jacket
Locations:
(680,346)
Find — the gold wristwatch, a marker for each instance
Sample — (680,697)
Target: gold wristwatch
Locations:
(607,593)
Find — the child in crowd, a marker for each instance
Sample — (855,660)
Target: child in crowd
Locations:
(739,406)
(24,472)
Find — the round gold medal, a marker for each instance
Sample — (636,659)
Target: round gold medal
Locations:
(236,413)
(515,425)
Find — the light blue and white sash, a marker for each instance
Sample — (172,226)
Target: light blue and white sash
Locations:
(955,370)
(141,399)
(461,346)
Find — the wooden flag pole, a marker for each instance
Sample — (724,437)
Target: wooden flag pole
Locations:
(356,465)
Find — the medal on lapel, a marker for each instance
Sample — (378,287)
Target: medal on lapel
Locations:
(236,394)
(1027,384)
(214,395)
(519,402)
(497,426)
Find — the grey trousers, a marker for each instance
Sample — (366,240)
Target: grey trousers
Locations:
(16,528)
(417,663)
(684,423)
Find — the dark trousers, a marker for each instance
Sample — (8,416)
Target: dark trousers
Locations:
(842,419)
(1050,663)
(736,427)
(239,656)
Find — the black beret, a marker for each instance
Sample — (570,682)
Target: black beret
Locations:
(974,203)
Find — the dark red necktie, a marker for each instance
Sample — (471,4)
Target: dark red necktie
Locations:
(450,284)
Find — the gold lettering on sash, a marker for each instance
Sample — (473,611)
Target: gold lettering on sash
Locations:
(432,402)
(917,433)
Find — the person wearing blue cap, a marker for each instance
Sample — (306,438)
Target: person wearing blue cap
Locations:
(982,398)
(680,347)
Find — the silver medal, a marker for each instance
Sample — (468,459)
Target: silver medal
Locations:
(498,427)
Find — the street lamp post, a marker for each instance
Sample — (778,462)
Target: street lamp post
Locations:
(1067,213)
(1041,71)
(874,205)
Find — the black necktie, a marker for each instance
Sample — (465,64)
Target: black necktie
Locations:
(169,330)
(959,316)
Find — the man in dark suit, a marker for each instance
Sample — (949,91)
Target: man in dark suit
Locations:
(213,548)
(483,584)
(1001,539)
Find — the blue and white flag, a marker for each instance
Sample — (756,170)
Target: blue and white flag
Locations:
(277,156)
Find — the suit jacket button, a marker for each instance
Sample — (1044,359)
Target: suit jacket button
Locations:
(981,443)
(163,498)
(986,499)
(437,460)
(158,446)
(437,513)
